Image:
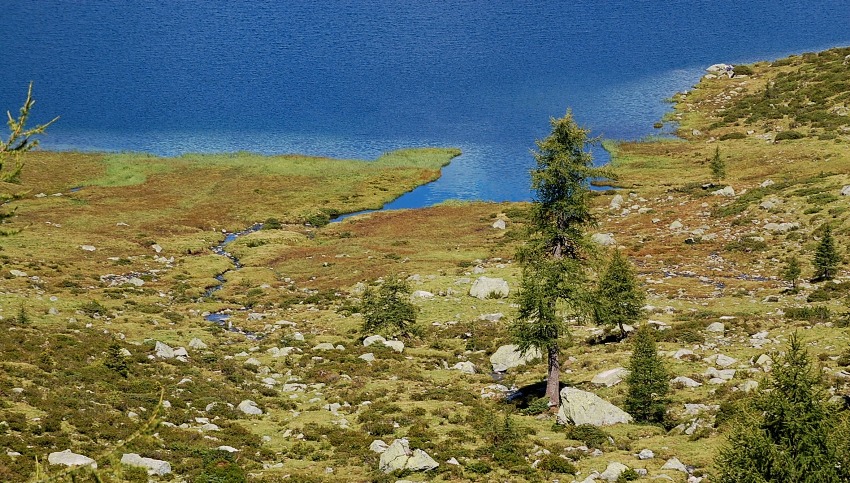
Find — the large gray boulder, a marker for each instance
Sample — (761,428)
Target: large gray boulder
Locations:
(508,356)
(67,458)
(153,466)
(249,407)
(611,377)
(163,350)
(603,239)
(398,456)
(486,287)
(581,407)
(613,471)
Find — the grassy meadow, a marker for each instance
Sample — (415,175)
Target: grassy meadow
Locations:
(72,315)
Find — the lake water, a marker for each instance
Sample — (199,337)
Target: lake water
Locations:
(357,78)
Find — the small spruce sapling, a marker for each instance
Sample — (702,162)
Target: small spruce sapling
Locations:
(387,309)
(792,272)
(648,379)
(717,165)
(619,300)
(826,257)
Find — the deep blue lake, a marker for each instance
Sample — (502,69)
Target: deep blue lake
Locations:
(357,78)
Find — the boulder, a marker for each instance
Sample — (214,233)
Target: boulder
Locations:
(674,464)
(88,248)
(422,294)
(685,381)
(67,458)
(676,225)
(720,360)
(18,273)
(368,357)
(163,350)
(616,202)
(613,471)
(249,407)
(766,183)
(748,386)
(499,224)
(398,456)
(716,327)
(486,287)
(378,446)
(611,377)
(727,191)
(685,355)
(719,68)
(645,454)
(395,345)
(603,239)
(781,227)
(581,407)
(845,191)
(509,356)
(373,339)
(197,344)
(324,346)
(465,367)
(153,466)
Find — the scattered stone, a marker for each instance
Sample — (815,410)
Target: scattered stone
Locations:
(603,239)
(398,456)
(716,327)
(748,386)
(154,466)
(378,446)
(18,273)
(674,464)
(508,356)
(88,248)
(723,374)
(765,362)
(581,407)
(486,287)
(781,227)
(766,183)
(491,317)
(720,360)
(421,294)
(156,248)
(616,202)
(465,367)
(249,407)
(685,381)
(676,225)
(164,351)
(613,471)
(685,355)
(453,461)
(727,191)
(252,362)
(368,357)
(229,449)
(611,377)
(197,344)
(395,345)
(324,346)
(845,191)
(645,454)
(68,458)
(499,224)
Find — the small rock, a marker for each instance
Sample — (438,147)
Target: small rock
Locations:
(249,407)
(324,346)
(88,248)
(486,287)
(716,327)
(748,386)
(645,454)
(368,357)
(603,239)
(422,294)
(613,471)
(163,351)
(156,248)
(153,466)
(499,224)
(676,225)
(685,381)
(465,367)
(68,458)
(727,191)
(611,377)
(18,273)
(197,344)
(378,446)
(674,464)
(845,190)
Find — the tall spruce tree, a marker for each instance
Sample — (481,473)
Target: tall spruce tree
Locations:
(648,379)
(789,432)
(553,272)
(826,256)
(619,300)
(387,309)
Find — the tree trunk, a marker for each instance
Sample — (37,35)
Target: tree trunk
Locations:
(553,383)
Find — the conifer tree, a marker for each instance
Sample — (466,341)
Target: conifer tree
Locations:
(789,432)
(553,280)
(388,309)
(20,140)
(826,256)
(619,300)
(648,379)
(717,165)
(792,272)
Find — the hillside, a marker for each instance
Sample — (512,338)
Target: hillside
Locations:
(102,283)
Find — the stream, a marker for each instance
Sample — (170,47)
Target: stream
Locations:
(222,318)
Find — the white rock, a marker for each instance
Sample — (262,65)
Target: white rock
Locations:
(368,357)
(422,294)
(613,471)
(373,339)
(156,247)
(611,377)
(395,345)
(603,239)
(249,407)
(720,360)
(298,336)
(727,191)
(581,407)
(781,227)
(491,317)
(163,351)
(676,225)
(398,456)
(716,327)
(645,454)
(766,183)
(324,346)
(486,287)
(845,190)
(153,466)
(378,446)
(748,386)
(229,449)
(252,362)
(465,367)
(88,248)
(68,458)
(18,273)
(509,356)
(616,202)
(499,224)
(453,461)
(674,464)
(685,381)
(197,343)
(181,352)
(685,354)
